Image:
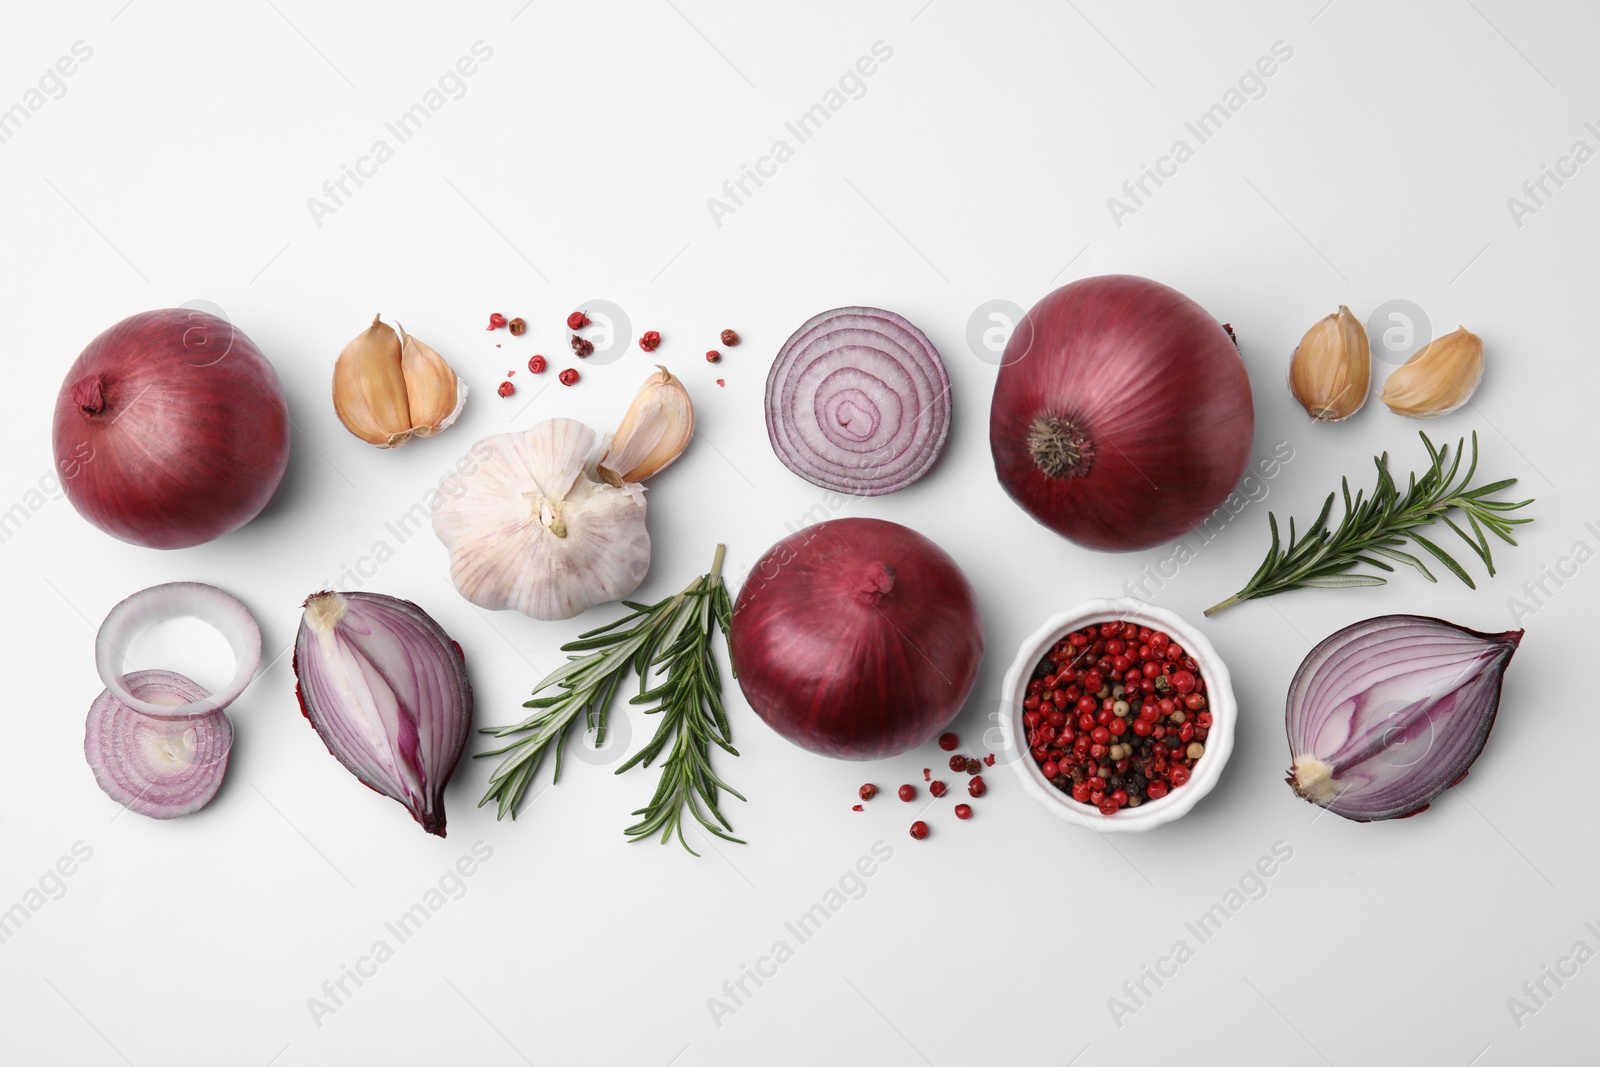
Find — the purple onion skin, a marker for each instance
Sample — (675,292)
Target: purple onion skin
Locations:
(856,638)
(1158,404)
(445,713)
(1444,763)
(171,429)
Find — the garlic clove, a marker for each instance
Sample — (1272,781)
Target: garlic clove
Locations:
(1438,378)
(369,387)
(1331,370)
(653,433)
(434,393)
(529,529)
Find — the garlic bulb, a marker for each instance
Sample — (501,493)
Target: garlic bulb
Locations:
(533,526)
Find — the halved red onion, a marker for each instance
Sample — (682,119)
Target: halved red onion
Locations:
(387,691)
(1387,714)
(210,605)
(160,767)
(858,401)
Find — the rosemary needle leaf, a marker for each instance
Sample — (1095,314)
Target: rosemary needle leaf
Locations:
(1377,525)
(671,640)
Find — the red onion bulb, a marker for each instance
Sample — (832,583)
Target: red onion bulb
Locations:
(171,429)
(1121,415)
(856,638)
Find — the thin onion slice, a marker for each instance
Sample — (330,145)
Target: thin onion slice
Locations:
(210,605)
(858,401)
(160,767)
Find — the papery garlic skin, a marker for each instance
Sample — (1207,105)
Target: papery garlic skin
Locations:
(1330,373)
(433,392)
(388,387)
(387,691)
(535,529)
(1438,378)
(653,433)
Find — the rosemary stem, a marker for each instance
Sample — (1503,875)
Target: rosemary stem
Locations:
(1213,609)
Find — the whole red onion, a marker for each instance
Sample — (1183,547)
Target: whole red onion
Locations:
(1122,414)
(856,638)
(171,429)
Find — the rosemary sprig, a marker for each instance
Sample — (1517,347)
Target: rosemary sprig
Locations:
(1379,525)
(673,638)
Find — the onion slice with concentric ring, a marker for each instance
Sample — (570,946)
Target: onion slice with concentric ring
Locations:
(160,767)
(858,401)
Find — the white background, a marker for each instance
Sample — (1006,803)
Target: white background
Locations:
(976,166)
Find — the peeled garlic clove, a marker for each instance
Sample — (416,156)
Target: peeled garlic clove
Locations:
(1331,371)
(433,392)
(369,387)
(387,691)
(654,432)
(1439,378)
(529,528)
(1387,714)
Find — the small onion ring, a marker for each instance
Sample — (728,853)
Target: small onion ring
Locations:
(210,605)
(858,401)
(159,767)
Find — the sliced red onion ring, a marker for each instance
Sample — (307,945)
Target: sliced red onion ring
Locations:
(1387,714)
(159,603)
(161,767)
(858,401)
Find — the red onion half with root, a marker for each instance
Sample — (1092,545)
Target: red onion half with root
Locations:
(171,429)
(1386,714)
(1121,415)
(856,638)
(386,689)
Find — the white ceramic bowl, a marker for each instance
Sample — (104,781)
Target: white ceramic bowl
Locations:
(1219,691)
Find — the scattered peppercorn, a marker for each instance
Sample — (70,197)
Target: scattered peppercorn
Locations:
(958,763)
(713,356)
(927,774)
(988,761)
(972,766)
(496,321)
(582,346)
(518,327)
(868,791)
(976,787)
(919,829)
(649,340)
(948,742)
(537,364)
(506,389)
(908,793)
(721,382)
(937,788)
(567,377)
(730,338)
(963,811)
(577,320)
(857,807)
